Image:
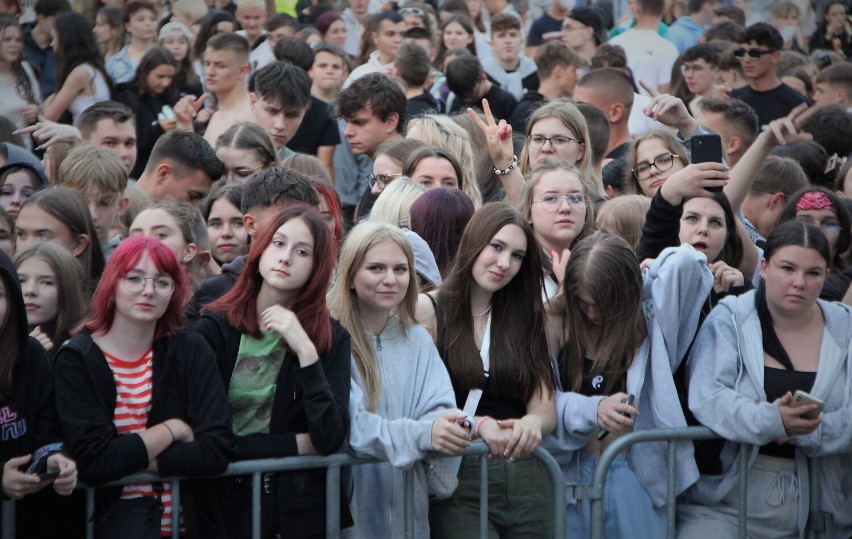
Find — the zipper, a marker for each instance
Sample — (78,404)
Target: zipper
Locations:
(378,343)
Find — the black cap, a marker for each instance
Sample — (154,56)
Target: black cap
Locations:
(590,16)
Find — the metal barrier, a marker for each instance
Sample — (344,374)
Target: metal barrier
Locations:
(595,492)
(333,463)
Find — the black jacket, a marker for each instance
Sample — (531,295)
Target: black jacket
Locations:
(185,386)
(313,399)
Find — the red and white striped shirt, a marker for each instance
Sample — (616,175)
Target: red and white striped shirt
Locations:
(133,389)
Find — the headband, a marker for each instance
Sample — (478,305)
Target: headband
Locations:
(815,200)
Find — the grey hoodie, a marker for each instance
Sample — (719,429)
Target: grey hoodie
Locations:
(726,393)
(674,289)
(415,390)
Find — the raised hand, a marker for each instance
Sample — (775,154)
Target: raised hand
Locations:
(187,108)
(285,323)
(498,135)
(787,130)
(47,133)
(669,110)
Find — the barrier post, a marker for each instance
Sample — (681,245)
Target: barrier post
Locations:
(742,505)
(7,513)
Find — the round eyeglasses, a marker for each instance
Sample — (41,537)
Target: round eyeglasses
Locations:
(552,201)
(381,179)
(556,141)
(135,283)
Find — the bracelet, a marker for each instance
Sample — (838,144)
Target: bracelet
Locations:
(508,169)
(480,423)
(170,432)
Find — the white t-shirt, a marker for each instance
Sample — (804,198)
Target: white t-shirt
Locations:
(649,55)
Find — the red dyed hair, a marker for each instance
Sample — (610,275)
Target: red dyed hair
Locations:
(125,257)
(328,194)
(239,304)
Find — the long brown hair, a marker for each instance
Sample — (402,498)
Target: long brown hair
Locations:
(519,355)
(606,268)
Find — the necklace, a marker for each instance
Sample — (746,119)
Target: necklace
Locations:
(483,313)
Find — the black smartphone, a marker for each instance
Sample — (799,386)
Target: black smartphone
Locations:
(707,148)
(630,399)
(48,476)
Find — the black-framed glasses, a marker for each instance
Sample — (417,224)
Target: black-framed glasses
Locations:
(663,162)
(134,282)
(568,28)
(753,53)
(556,141)
(552,201)
(381,179)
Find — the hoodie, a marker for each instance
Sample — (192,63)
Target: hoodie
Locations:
(726,393)
(19,157)
(415,390)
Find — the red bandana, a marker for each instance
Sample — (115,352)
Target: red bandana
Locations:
(815,200)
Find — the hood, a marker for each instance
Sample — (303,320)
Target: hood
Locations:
(14,296)
(19,157)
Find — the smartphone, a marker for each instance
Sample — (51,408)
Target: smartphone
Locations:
(803,397)
(48,476)
(707,148)
(629,399)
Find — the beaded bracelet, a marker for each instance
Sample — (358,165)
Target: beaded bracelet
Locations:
(508,169)
(480,423)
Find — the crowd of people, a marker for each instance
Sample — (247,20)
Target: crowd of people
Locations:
(248,229)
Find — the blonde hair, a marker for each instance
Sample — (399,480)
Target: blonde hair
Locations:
(573,119)
(394,204)
(442,132)
(624,217)
(91,166)
(343,301)
(194,9)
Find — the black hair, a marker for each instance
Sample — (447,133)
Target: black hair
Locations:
(764,34)
(464,73)
(843,219)
(703,51)
(283,84)
(831,127)
(294,51)
(384,97)
(48,8)
(186,150)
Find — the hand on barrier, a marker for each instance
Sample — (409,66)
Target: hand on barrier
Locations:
(448,436)
(496,437)
(526,435)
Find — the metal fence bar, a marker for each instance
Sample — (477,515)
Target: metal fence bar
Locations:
(742,503)
(175,486)
(409,504)
(671,509)
(483,496)
(256,468)
(332,501)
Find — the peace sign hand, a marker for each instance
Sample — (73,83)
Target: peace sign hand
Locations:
(787,130)
(498,135)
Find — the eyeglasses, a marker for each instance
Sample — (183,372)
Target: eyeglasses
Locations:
(556,141)
(663,162)
(381,179)
(552,201)
(242,173)
(753,54)
(134,283)
(416,11)
(567,28)
(695,68)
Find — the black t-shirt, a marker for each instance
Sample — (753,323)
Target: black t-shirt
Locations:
(771,105)
(420,105)
(526,106)
(318,128)
(501,102)
(545,28)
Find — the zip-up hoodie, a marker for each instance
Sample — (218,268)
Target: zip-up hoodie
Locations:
(673,292)
(415,390)
(726,393)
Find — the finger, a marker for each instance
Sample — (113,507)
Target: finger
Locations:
(798,111)
(653,92)
(476,119)
(504,129)
(489,117)
(198,103)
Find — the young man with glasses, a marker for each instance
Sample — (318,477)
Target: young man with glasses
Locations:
(700,69)
(584,30)
(766,94)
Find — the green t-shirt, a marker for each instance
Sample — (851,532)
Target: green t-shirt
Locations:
(253,383)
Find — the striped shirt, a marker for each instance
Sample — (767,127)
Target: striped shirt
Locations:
(133,389)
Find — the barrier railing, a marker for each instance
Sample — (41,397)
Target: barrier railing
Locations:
(333,463)
(595,491)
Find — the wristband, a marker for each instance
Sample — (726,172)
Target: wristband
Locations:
(480,423)
(170,432)
(508,169)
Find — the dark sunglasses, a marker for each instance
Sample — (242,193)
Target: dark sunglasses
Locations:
(754,53)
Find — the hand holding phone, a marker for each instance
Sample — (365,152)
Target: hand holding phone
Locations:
(628,400)
(707,148)
(803,397)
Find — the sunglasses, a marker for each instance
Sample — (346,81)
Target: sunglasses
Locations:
(753,54)
(416,11)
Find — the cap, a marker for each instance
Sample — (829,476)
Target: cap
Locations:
(424,260)
(181,28)
(590,17)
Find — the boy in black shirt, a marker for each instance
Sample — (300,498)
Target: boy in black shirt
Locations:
(471,85)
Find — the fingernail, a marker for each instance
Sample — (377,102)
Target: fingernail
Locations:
(511,460)
(506,453)
(552,253)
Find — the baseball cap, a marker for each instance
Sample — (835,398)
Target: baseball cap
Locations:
(590,17)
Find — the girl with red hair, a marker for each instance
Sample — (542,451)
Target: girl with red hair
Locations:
(286,366)
(135,393)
